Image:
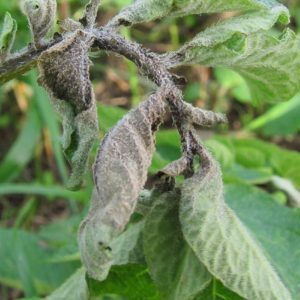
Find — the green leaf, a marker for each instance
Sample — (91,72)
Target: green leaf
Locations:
(282,119)
(221,241)
(284,163)
(74,288)
(148,10)
(109,116)
(130,281)
(274,226)
(192,92)
(173,265)
(22,150)
(24,263)
(269,64)
(217,291)
(127,248)
(221,152)
(167,149)
(7,36)
(288,188)
(233,82)
(250,157)
(37,189)
(249,175)
(168,144)
(50,121)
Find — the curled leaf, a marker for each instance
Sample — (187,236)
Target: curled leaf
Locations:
(7,36)
(221,241)
(64,73)
(41,15)
(120,172)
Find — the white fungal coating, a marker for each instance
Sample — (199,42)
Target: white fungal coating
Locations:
(41,15)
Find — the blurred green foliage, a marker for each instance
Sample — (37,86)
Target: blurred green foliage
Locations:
(40,218)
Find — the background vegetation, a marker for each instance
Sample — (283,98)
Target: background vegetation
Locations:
(39,218)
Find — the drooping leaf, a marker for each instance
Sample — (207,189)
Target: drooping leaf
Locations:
(130,281)
(275,227)
(72,97)
(221,241)
(269,64)
(120,172)
(147,10)
(172,263)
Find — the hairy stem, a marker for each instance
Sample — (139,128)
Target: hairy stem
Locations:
(149,64)
(23,61)
(90,15)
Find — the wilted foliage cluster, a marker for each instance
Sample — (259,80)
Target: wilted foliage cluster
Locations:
(208,238)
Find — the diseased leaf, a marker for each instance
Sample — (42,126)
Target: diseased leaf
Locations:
(72,97)
(148,10)
(120,172)
(269,64)
(7,35)
(172,263)
(41,15)
(221,241)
